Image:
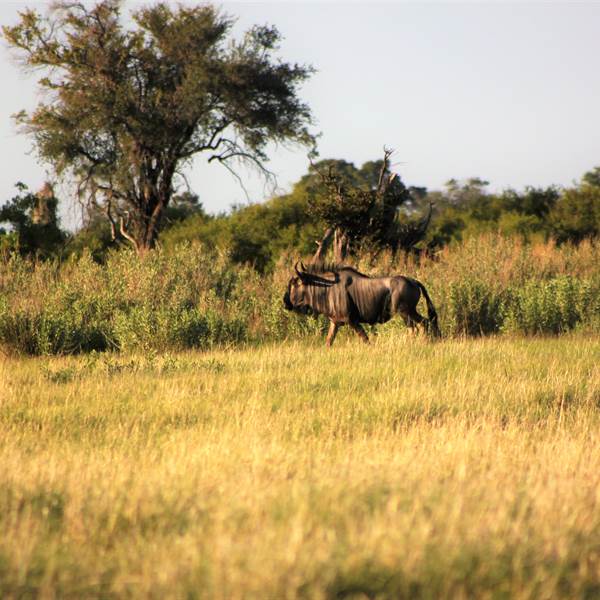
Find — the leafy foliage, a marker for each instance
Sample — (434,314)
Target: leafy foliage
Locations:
(128,107)
(360,207)
(260,234)
(467,209)
(474,307)
(577,214)
(554,306)
(35,228)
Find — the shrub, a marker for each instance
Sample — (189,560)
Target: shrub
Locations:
(144,327)
(553,306)
(65,323)
(473,307)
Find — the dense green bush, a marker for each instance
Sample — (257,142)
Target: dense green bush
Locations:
(145,327)
(474,307)
(553,306)
(63,322)
(193,297)
(189,298)
(484,284)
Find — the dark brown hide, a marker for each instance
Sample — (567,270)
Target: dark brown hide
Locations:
(347,297)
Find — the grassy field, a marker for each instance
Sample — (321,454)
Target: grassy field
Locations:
(407,469)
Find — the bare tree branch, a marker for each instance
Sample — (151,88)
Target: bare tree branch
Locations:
(387,153)
(113,225)
(322,246)
(123,231)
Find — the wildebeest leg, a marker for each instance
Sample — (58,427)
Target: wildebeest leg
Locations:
(333,329)
(416,319)
(406,315)
(361,332)
(412,319)
(408,321)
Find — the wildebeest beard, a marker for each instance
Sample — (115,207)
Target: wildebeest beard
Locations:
(302,309)
(287,303)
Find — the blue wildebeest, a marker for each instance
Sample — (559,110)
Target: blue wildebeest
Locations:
(347,297)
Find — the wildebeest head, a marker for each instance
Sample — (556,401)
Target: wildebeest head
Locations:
(300,293)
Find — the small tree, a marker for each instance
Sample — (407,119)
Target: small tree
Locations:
(576,215)
(128,108)
(468,193)
(592,178)
(364,215)
(33,221)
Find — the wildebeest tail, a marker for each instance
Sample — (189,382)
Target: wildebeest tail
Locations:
(431,312)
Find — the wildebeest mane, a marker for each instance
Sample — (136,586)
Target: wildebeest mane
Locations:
(332,295)
(321,268)
(318,298)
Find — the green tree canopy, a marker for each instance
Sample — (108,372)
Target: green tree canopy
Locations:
(592,178)
(576,216)
(128,107)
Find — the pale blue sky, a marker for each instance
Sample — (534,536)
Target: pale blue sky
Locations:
(509,92)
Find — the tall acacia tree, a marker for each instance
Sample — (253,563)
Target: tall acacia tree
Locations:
(127,107)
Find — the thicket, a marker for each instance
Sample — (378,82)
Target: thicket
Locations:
(467,209)
(192,297)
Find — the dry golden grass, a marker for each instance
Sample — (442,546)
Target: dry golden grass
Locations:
(405,469)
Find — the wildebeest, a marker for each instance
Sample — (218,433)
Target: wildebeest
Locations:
(347,297)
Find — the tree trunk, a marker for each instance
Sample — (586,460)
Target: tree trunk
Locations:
(150,206)
(144,234)
(323,246)
(340,246)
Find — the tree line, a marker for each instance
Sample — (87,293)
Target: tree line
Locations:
(409,219)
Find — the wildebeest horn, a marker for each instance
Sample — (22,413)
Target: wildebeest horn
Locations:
(301,275)
(311,277)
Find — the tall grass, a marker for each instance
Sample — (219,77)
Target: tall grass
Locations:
(194,298)
(462,469)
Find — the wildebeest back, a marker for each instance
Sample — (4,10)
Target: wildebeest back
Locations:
(371,298)
(358,298)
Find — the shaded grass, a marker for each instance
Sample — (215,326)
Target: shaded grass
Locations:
(402,470)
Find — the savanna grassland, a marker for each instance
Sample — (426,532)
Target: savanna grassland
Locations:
(405,469)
